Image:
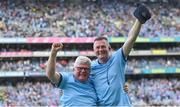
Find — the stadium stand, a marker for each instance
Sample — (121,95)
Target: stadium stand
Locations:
(28,27)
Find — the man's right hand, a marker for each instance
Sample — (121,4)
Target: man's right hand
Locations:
(142,13)
(126,88)
(56,47)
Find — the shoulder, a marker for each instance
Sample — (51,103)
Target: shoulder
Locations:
(66,75)
(119,53)
(94,62)
(66,78)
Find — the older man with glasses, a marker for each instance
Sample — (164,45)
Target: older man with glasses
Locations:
(77,87)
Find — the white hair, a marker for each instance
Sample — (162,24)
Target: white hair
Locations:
(82,60)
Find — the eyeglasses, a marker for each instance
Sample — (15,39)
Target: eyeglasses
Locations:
(83,68)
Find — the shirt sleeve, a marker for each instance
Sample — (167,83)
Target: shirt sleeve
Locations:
(57,85)
(63,81)
(123,56)
(120,60)
(120,54)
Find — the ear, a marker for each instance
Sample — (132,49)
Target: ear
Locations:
(109,47)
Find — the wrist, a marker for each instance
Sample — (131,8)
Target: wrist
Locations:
(53,52)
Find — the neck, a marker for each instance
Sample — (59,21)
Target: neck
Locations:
(102,61)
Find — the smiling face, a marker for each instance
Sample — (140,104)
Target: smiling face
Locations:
(82,68)
(102,49)
(81,72)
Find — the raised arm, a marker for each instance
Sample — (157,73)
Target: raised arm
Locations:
(131,38)
(142,14)
(51,73)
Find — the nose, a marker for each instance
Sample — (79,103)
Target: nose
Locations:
(100,49)
(83,69)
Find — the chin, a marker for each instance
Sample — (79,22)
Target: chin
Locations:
(83,79)
(102,57)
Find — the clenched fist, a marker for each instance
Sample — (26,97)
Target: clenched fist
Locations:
(56,47)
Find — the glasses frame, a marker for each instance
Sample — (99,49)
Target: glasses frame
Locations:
(83,68)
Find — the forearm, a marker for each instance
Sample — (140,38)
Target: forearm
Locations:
(132,36)
(51,66)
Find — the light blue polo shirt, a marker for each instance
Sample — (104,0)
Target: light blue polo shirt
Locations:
(76,93)
(109,79)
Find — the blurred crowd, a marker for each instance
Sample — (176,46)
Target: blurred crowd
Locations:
(30,18)
(156,92)
(134,65)
(29,94)
(21,65)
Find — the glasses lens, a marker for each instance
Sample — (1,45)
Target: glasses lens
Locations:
(82,68)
